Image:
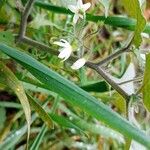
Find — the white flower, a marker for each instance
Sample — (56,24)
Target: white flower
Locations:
(79,63)
(66,49)
(79,10)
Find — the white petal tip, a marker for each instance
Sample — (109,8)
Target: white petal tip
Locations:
(86,6)
(65,53)
(72,8)
(78,64)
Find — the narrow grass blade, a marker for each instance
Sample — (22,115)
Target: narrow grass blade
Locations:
(76,96)
(38,140)
(10,105)
(15,136)
(17,87)
(41,112)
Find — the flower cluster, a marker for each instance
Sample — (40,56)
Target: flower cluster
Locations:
(65,53)
(79,12)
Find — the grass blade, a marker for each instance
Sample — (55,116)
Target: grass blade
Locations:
(39,138)
(76,96)
(15,136)
(41,112)
(17,87)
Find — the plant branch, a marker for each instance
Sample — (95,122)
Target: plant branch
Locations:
(108,79)
(38,45)
(24,18)
(132,80)
(115,54)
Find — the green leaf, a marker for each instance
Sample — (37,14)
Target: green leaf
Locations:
(146,83)
(62,121)
(120,103)
(10,105)
(91,127)
(76,96)
(41,112)
(80,124)
(92,86)
(16,86)
(134,10)
(2,3)
(38,140)
(99,86)
(3,117)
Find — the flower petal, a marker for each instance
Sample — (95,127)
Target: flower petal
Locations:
(65,54)
(59,44)
(86,6)
(78,64)
(79,4)
(75,18)
(73,8)
(62,43)
(67,44)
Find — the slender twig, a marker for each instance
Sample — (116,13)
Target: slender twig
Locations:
(96,67)
(132,80)
(108,79)
(19,6)
(115,55)
(38,45)
(24,18)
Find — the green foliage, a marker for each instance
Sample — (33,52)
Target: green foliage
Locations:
(76,96)
(3,117)
(41,112)
(39,138)
(15,136)
(8,13)
(146,84)
(77,109)
(134,10)
(16,86)
(7,37)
